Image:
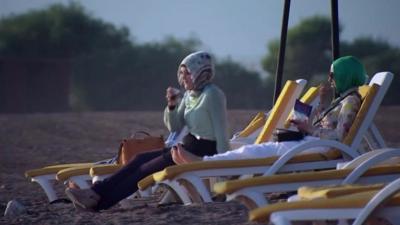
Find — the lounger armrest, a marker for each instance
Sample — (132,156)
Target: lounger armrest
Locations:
(65,174)
(231,186)
(359,159)
(305,146)
(380,198)
(263,214)
(382,155)
(99,170)
(52,169)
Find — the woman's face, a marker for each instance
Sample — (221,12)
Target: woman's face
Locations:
(331,80)
(186,78)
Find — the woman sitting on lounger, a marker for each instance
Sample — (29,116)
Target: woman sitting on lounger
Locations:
(202,110)
(333,119)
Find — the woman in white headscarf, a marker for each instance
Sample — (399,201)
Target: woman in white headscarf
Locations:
(202,109)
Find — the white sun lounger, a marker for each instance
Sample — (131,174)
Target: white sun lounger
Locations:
(186,179)
(356,207)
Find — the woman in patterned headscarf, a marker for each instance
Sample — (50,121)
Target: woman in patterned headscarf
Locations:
(201,69)
(202,109)
(332,121)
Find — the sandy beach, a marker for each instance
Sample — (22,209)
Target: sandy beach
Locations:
(29,141)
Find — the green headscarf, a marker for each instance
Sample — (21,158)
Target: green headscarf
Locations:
(348,72)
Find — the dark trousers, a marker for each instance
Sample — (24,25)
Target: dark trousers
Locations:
(124,182)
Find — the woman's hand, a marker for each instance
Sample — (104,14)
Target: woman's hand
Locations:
(325,95)
(172,97)
(303,126)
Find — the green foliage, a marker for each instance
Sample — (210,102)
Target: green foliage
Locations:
(308,54)
(307,50)
(378,56)
(129,78)
(58,32)
(109,70)
(243,88)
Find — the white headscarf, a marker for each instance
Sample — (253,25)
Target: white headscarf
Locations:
(201,68)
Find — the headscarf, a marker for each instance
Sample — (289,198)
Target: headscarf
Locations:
(348,73)
(201,68)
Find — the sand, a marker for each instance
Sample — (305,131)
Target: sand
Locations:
(29,141)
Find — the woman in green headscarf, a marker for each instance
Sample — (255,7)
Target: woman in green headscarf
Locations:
(332,121)
(347,73)
(334,118)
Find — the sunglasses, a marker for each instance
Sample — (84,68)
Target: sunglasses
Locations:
(330,75)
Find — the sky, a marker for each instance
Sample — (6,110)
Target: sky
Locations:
(239,29)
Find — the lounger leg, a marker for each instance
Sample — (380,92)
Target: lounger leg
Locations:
(196,186)
(167,198)
(384,194)
(313,215)
(145,193)
(279,220)
(45,182)
(250,199)
(179,190)
(377,136)
(82,181)
(99,178)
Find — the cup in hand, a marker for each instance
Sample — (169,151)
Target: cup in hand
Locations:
(172,96)
(326,92)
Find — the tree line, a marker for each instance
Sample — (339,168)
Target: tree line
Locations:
(110,71)
(308,54)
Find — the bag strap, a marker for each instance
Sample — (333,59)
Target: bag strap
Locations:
(119,160)
(140,132)
(333,105)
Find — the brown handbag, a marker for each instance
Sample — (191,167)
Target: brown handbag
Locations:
(129,148)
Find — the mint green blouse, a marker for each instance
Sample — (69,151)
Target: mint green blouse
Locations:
(204,115)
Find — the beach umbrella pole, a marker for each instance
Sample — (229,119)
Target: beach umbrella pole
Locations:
(282,48)
(335,30)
